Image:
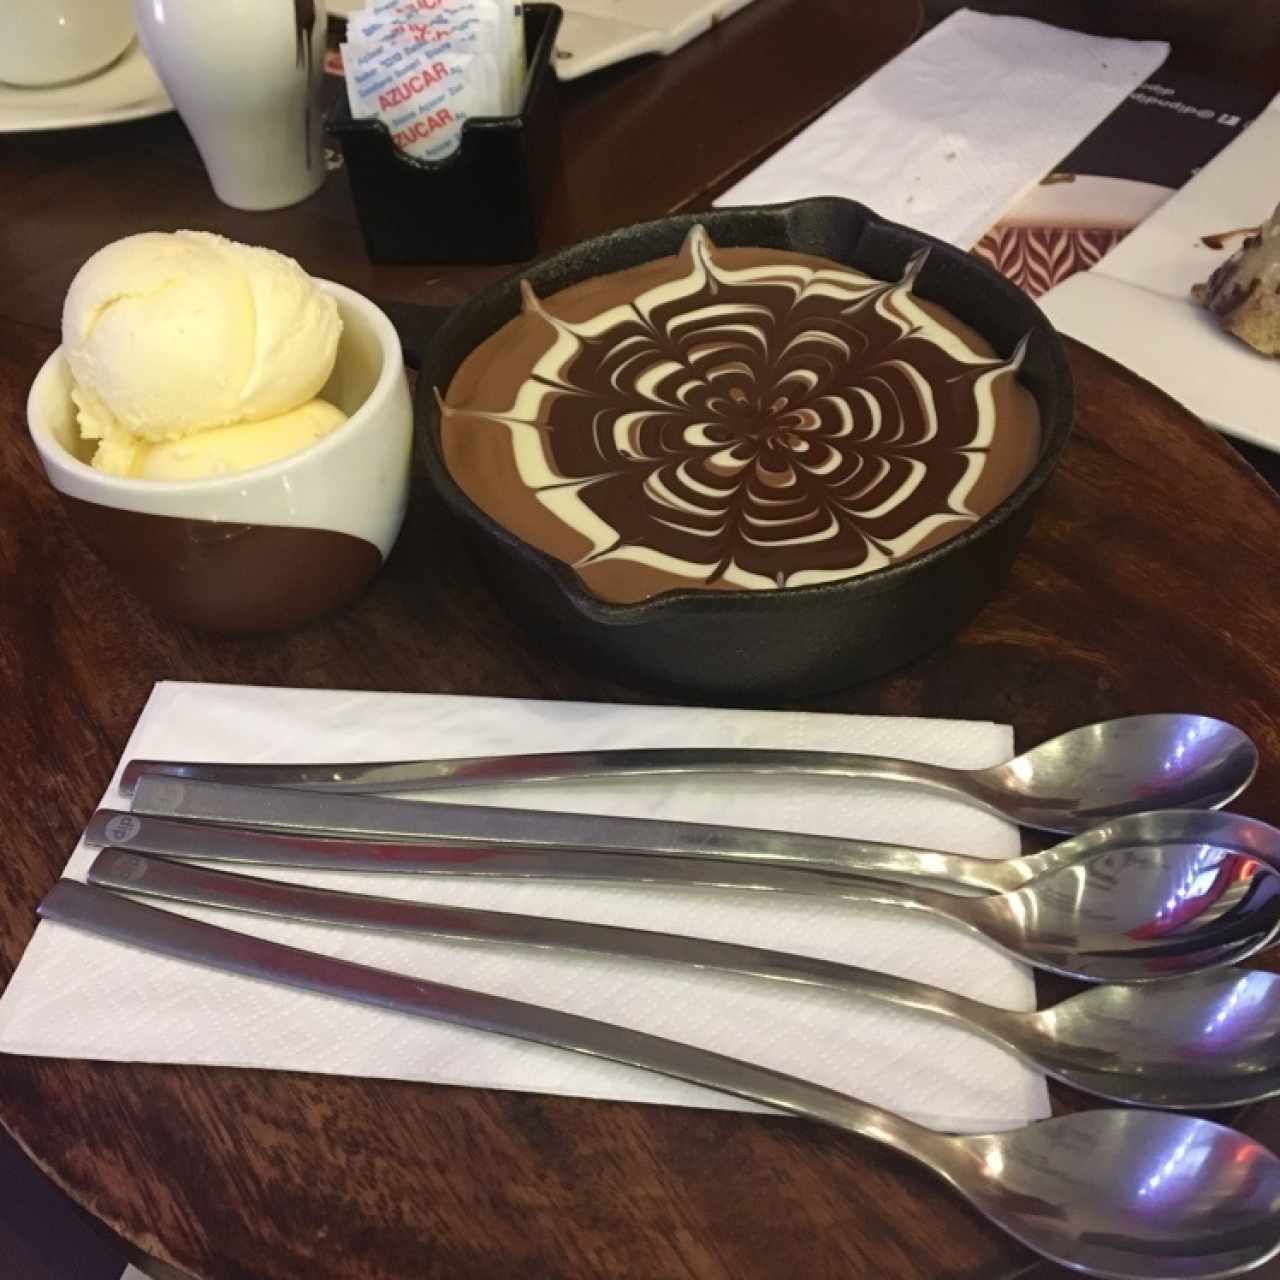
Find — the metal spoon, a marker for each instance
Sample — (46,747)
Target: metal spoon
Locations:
(285,810)
(1136,1195)
(1131,915)
(1069,783)
(1210,1040)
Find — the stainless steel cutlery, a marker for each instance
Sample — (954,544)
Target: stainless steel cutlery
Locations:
(1070,783)
(1122,1193)
(1136,1044)
(1155,896)
(1132,913)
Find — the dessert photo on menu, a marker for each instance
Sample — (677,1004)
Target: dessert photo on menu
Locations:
(1159,138)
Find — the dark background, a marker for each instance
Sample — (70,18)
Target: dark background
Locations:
(44,1236)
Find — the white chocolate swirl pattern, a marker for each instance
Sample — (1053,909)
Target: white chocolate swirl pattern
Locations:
(773,426)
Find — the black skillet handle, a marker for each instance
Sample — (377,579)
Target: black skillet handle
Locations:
(416,324)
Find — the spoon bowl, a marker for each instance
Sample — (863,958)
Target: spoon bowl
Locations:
(1130,915)
(1208,1040)
(1232,832)
(1114,768)
(1127,1193)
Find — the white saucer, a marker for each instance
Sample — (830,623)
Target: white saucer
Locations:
(127,90)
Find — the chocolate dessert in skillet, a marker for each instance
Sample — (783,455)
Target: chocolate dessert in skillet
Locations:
(736,419)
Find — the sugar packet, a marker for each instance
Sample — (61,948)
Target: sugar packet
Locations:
(424,67)
(424,98)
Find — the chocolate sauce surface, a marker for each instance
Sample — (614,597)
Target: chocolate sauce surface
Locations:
(735,419)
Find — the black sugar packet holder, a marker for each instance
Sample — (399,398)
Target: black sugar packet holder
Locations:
(480,204)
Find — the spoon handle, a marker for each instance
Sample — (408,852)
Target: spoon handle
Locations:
(136,873)
(107,914)
(128,833)
(389,776)
(328,813)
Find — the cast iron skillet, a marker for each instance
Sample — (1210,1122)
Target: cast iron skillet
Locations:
(736,646)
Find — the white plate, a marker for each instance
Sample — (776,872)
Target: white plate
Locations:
(1135,304)
(127,90)
(599,33)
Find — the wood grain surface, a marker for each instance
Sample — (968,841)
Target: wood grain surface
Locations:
(1240,35)
(1146,584)
(639,141)
(1135,592)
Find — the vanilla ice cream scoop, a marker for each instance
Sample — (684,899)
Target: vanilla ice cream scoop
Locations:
(224,451)
(168,334)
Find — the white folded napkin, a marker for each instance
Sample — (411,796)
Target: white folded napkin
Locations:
(75,995)
(1135,305)
(948,135)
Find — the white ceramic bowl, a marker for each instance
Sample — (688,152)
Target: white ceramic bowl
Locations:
(45,42)
(268,548)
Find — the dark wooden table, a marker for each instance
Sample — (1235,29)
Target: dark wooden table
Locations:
(1145,585)
(639,141)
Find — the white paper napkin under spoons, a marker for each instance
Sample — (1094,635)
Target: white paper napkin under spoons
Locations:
(75,995)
